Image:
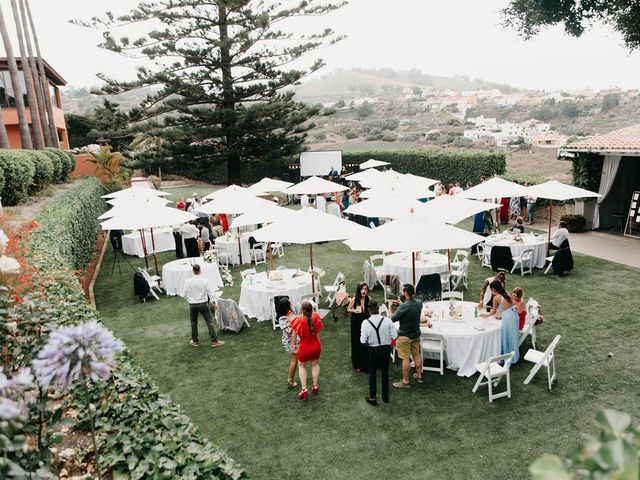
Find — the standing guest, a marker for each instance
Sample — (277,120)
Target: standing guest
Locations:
(408,344)
(180,205)
(486,297)
(177,238)
(190,235)
(457,189)
(333,174)
(216,226)
(450,190)
(504,310)
(523,203)
(504,211)
(468,185)
(345,199)
(197,201)
(333,208)
(377,332)
(438,188)
(531,203)
(514,205)
(521,308)
(224,222)
(343,173)
(353,198)
(307,327)
(560,235)
(304,200)
(204,238)
(359,309)
(321,203)
(478,219)
(198,293)
(285,316)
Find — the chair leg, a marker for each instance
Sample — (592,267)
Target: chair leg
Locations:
(509,383)
(478,383)
(515,264)
(490,385)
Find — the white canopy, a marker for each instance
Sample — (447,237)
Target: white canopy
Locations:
(412,179)
(452,209)
(231,190)
(364,175)
(315,185)
(232,203)
(136,191)
(399,189)
(308,226)
(371,163)
(385,206)
(138,201)
(265,214)
(495,187)
(136,218)
(413,234)
(554,190)
(269,185)
(386,178)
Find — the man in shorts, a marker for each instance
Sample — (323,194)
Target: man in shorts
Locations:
(408,343)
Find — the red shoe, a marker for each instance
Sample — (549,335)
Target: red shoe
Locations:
(315,390)
(303,394)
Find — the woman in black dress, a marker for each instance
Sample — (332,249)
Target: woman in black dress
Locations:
(359,310)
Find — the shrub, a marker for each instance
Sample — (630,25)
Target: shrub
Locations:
(57,163)
(66,165)
(575,223)
(43,168)
(447,165)
(320,136)
(1,180)
(19,174)
(350,135)
(388,136)
(72,161)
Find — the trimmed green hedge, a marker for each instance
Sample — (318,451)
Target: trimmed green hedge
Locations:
(141,433)
(445,165)
(18,174)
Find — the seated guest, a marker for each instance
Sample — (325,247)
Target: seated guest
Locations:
(486,295)
(519,226)
(180,205)
(560,235)
(190,235)
(520,306)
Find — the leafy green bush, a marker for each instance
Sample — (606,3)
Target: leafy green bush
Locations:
(446,165)
(522,179)
(72,161)
(587,170)
(43,165)
(351,134)
(19,174)
(57,163)
(575,223)
(66,165)
(1,180)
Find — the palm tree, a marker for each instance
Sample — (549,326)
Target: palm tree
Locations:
(17,86)
(38,138)
(43,79)
(4,138)
(42,108)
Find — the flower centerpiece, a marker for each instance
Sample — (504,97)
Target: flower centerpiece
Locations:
(227,278)
(209,256)
(455,309)
(517,236)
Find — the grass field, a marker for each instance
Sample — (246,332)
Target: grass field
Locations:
(237,394)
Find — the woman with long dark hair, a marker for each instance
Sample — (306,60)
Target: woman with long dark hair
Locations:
(307,327)
(504,310)
(285,315)
(359,309)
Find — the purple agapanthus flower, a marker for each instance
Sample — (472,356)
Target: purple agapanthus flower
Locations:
(87,349)
(15,394)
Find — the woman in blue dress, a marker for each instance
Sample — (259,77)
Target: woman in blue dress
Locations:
(504,310)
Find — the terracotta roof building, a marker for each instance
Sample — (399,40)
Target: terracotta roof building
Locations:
(625,140)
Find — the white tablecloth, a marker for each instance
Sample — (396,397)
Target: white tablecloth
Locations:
(163,237)
(400,264)
(257,291)
(175,273)
(538,243)
(230,244)
(464,344)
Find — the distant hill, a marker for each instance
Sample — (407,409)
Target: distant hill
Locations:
(81,101)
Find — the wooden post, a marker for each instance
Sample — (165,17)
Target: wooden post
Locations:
(413,267)
(549,238)
(155,258)
(313,281)
(239,248)
(449,257)
(144,248)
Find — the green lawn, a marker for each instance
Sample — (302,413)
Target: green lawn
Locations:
(237,394)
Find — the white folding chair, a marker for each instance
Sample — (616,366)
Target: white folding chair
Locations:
(249,271)
(231,306)
(445,280)
(274,316)
(311,298)
(222,256)
(492,372)
(455,295)
(278,249)
(460,275)
(383,310)
(259,253)
(369,274)
(153,281)
(545,359)
(432,343)
(529,327)
(484,254)
(281,267)
(459,257)
(317,273)
(525,259)
(332,289)
(549,261)
(377,261)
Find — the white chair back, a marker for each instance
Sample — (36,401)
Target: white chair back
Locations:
(455,295)
(433,343)
(492,372)
(545,359)
(369,273)
(249,271)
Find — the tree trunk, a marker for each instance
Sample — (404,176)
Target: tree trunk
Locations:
(38,138)
(4,138)
(234,175)
(42,108)
(43,80)
(15,82)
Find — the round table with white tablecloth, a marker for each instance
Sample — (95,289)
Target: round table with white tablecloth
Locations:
(468,340)
(162,239)
(229,244)
(426,263)
(176,273)
(257,291)
(528,240)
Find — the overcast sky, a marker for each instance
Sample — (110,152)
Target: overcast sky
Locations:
(442,37)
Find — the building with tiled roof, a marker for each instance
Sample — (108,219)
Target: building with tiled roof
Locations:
(626,140)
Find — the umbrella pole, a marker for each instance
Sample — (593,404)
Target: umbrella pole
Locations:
(270,248)
(413,266)
(155,258)
(449,257)
(313,282)
(549,233)
(144,249)
(239,248)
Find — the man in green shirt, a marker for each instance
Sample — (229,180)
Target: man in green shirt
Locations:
(408,343)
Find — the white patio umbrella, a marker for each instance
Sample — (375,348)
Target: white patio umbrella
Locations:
(385,206)
(413,233)
(135,201)
(139,218)
(269,185)
(315,186)
(399,189)
(231,190)
(418,180)
(264,214)
(308,226)
(233,204)
(553,190)
(363,175)
(136,191)
(371,163)
(495,187)
(452,209)
(388,177)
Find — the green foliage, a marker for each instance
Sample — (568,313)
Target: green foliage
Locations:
(1,179)
(522,179)
(66,165)
(350,134)
(79,128)
(575,223)
(44,168)
(610,100)
(587,170)
(446,165)
(19,174)
(365,110)
(614,454)
(57,162)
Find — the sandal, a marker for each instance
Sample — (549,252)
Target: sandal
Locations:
(292,383)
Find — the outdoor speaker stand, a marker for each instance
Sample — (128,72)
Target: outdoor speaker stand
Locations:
(117,254)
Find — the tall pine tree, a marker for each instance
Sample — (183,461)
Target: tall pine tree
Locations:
(220,77)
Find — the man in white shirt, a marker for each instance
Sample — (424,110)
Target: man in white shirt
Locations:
(190,234)
(560,235)
(377,332)
(333,208)
(304,200)
(457,189)
(321,203)
(198,293)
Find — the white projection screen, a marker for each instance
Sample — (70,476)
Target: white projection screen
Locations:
(320,163)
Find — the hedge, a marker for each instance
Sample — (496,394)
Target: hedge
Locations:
(141,433)
(26,172)
(448,166)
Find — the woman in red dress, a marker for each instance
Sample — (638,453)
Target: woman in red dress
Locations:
(307,327)
(521,307)
(180,205)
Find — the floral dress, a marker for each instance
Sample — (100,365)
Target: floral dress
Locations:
(287,333)
(514,207)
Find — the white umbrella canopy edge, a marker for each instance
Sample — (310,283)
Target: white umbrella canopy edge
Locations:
(495,187)
(363,175)
(152,217)
(138,201)
(232,204)
(453,209)
(314,186)
(265,214)
(385,207)
(554,190)
(269,185)
(139,191)
(232,190)
(372,163)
